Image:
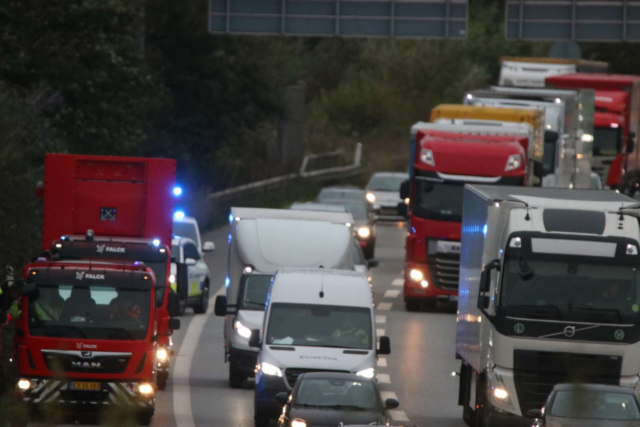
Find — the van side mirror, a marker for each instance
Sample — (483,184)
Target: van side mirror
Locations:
(391,404)
(538,169)
(405,188)
(31,292)
(551,136)
(174,304)
(208,247)
(220,308)
(631,142)
(182,281)
(485,284)
(403,209)
(282,397)
(174,324)
(254,340)
(385,346)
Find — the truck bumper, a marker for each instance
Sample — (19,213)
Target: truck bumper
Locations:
(244,360)
(61,395)
(415,291)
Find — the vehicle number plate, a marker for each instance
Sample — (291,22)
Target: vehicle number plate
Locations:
(453,298)
(85,386)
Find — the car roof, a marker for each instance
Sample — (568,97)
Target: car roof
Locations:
(177,240)
(334,376)
(343,202)
(594,388)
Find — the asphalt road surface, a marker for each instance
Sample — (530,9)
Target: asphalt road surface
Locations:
(417,373)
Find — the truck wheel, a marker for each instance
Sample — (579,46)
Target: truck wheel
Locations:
(203,304)
(162,379)
(370,251)
(412,305)
(481,411)
(144,417)
(465,391)
(236,378)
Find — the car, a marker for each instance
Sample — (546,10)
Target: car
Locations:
(312,206)
(347,193)
(185,251)
(364,223)
(383,190)
(589,405)
(362,264)
(332,399)
(186,226)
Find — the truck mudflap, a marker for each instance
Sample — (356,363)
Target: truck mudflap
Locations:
(85,394)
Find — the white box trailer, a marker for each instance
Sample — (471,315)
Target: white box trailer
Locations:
(262,241)
(549,293)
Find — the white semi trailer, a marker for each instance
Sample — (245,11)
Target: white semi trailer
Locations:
(549,293)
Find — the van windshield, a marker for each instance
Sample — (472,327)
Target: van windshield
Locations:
(309,325)
(253,291)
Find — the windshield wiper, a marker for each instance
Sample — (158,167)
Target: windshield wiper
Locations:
(305,405)
(539,310)
(352,407)
(49,328)
(601,313)
(119,333)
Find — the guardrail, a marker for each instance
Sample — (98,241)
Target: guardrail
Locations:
(318,175)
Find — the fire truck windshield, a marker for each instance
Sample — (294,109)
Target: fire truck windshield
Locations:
(91,312)
(606,141)
(440,201)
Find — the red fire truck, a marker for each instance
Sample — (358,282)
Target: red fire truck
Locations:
(126,206)
(616,122)
(442,163)
(88,337)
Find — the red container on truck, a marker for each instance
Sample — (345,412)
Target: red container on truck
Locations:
(117,209)
(616,122)
(442,163)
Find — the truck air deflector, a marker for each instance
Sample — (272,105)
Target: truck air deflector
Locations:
(574,221)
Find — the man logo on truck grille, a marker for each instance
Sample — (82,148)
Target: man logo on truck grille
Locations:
(100,248)
(519,328)
(619,334)
(108,214)
(569,331)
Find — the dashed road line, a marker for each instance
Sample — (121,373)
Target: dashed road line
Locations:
(385,306)
(384,379)
(380,332)
(381,319)
(382,362)
(398,415)
(391,294)
(388,394)
(398,282)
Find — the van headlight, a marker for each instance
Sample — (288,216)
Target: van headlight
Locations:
(364,232)
(298,423)
(370,197)
(367,373)
(269,369)
(162,354)
(242,330)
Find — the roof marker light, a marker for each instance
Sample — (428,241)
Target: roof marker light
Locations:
(558,100)
(227,281)
(156,242)
(230,217)
(162,250)
(178,215)
(632,249)
(177,191)
(58,245)
(614,125)
(485,229)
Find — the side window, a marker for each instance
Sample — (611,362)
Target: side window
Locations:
(190,251)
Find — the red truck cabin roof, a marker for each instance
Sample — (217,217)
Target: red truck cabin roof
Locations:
(460,154)
(113,196)
(70,249)
(126,267)
(608,120)
(611,101)
(593,81)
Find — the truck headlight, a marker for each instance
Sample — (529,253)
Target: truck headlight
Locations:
(24,384)
(416,275)
(242,330)
(500,393)
(513,162)
(298,423)
(162,354)
(499,390)
(426,156)
(269,369)
(367,373)
(145,389)
(364,232)
(371,197)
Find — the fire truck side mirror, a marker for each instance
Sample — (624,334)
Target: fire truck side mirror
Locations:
(485,284)
(31,292)
(631,142)
(403,209)
(538,169)
(182,281)
(404,189)
(174,324)
(174,305)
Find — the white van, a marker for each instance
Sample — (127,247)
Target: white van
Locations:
(262,241)
(316,320)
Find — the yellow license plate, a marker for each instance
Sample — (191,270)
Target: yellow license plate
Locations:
(85,386)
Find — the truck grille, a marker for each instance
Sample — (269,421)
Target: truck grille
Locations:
(292,374)
(444,270)
(98,364)
(536,373)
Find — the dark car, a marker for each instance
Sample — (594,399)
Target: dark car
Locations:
(589,405)
(348,193)
(329,399)
(364,223)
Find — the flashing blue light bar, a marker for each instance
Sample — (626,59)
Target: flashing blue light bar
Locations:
(230,217)
(227,281)
(484,229)
(156,242)
(177,191)
(64,238)
(178,215)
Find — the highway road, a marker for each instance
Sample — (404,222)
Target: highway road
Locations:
(418,371)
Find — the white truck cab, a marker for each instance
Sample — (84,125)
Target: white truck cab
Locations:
(316,320)
(262,241)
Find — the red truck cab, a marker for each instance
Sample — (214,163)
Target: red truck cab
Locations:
(88,337)
(616,122)
(443,163)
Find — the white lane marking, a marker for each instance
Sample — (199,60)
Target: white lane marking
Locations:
(380,332)
(398,415)
(391,294)
(398,282)
(382,362)
(180,379)
(382,379)
(385,306)
(381,319)
(389,395)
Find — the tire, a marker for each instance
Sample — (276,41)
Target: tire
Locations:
(236,378)
(412,305)
(483,409)
(260,418)
(370,251)
(144,418)
(162,379)
(203,304)
(465,389)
